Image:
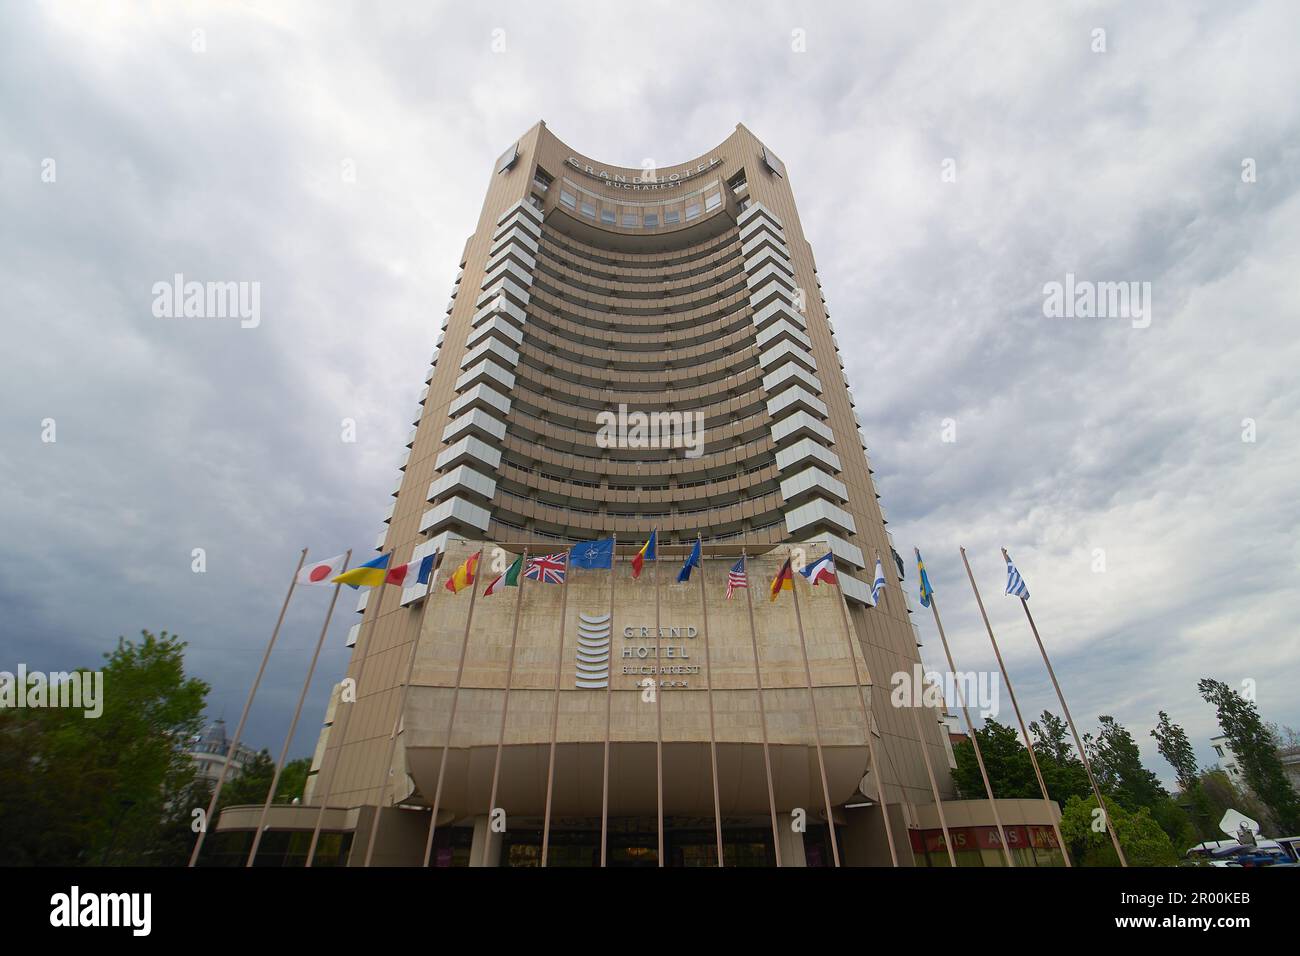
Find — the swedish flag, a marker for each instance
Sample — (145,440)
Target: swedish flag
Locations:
(927,592)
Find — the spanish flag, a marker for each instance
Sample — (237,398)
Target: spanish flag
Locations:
(784,581)
(647,553)
(370,575)
(463,576)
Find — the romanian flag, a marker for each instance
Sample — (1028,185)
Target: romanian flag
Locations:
(784,581)
(370,575)
(463,576)
(647,553)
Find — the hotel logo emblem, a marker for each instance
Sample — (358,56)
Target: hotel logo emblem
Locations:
(594,633)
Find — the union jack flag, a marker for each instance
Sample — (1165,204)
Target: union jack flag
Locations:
(548,569)
(736,577)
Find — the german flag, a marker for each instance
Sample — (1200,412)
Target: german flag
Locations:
(784,581)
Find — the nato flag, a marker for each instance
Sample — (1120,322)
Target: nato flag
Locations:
(594,554)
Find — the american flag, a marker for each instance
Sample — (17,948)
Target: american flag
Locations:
(548,569)
(736,577)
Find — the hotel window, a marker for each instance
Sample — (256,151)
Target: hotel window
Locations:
(712,202)
(588,210)
(607,216)
(672,216)
(568,199)
(542,179)
(651,220)
(692,210)
(737,183)
(629,220)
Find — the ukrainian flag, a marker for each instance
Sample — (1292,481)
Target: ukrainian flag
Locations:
(369,575)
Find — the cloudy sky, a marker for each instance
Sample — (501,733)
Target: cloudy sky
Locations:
(1160,546)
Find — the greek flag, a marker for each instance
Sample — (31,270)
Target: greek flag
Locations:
(1015,583)
(878,583)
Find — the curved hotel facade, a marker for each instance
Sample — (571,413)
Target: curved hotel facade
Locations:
(627,350)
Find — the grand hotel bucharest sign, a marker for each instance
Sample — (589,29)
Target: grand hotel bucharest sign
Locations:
(674,666)
(649,179)
(636,658)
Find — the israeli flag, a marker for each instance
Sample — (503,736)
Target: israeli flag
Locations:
(1015,583)
(878,583)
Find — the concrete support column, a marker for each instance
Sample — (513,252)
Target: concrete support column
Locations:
(791,842)
(483,834)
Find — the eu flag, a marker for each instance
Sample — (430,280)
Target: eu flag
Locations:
(594,554)
(692,562)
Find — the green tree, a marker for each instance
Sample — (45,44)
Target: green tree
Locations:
(1063,771)
(1172,742)
(108,790)
(249,786)
(1218,795)
(1051,738)
(1256,750)
(1143,840)
(1117,767)
(1005,758)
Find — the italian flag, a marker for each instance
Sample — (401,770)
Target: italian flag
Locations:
(508,579)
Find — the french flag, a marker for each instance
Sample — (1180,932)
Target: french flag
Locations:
(823,569)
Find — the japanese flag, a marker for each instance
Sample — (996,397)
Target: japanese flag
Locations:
(320,572)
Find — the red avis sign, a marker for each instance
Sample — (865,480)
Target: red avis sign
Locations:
(985,838)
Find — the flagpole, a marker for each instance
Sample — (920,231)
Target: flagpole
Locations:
(293,724)
(876,768)
(609,696)
(555,717)
(934,787)
(248,705)
(925,755)
(817,733)
(451,717)
(505,707)
(974,737)
(762,709)
(713,736)
(342,723)
(659,709)
(386,770)
(1033,759)
(1083,754)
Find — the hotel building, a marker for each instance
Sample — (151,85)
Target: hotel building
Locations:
(628,349)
